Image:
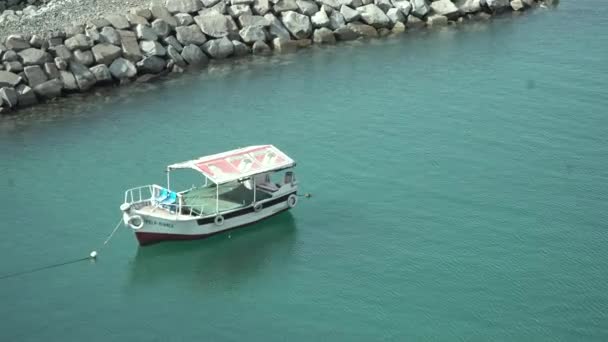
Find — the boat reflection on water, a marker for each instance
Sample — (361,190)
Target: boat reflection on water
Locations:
(221,260)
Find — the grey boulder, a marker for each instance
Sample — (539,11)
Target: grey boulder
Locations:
(193,55)
(26,96)
(84,57)
(145,32)
(374,16)
(84,77)
(68,81)
(261,48)
(251,34)
(297,24)
(79,42)
(123,68)
(34,75)
(120,22)
(109,35)
(16,42)
(307,7)
(445,8)
(184,6)
(323,35)
(403,5)
(190,34)
(9,79)
(420,8)
(33,56)
(349,14)
(151,65)
(106,53)
(214,24)
(49,89)
(102,73)
(276,28)
(219,48)
(9,97)
(240,49)
(320,19)
(176,57)
(152,48)
(161,27)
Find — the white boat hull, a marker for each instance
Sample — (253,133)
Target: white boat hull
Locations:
(157,228)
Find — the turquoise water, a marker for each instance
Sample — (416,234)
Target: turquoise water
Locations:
(460,192)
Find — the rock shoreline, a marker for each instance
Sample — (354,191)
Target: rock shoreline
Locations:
(175,35)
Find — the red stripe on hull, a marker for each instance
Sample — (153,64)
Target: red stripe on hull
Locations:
(145,239)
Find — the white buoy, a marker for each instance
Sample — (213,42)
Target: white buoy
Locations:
(93,254)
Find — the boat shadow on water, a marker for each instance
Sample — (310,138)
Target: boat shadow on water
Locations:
(217,261)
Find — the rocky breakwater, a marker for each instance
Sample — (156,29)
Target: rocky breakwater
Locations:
(180,34)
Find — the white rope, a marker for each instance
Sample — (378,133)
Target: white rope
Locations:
(114,231)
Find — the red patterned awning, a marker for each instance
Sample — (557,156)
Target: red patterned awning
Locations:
(238,164)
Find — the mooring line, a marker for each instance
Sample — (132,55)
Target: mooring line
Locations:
(92,255)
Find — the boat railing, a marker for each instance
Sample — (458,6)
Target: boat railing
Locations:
(153,195)
(139,195)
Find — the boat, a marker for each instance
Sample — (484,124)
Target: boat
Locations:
(237,188)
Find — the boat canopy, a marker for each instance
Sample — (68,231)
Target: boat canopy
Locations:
(238,164)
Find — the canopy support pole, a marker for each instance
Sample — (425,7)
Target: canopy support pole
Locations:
(168,179)
(217,198)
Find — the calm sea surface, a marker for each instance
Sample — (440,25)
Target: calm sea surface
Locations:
(460,182)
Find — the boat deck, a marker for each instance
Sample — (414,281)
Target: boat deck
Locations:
(202,201)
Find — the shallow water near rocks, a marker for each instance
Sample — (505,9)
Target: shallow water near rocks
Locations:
(459,181)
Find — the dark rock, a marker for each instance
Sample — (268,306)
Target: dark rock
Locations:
(10,56)
(152,65)
(13,67)
(9,97)
(9,79)
(37,41)
(346,33)
(61,63)
(49,89)
(25,96)
(261,48)
(240,49)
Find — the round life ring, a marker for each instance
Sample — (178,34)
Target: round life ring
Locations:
(292,200)
(257,207)
(135,225)
(219,220)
